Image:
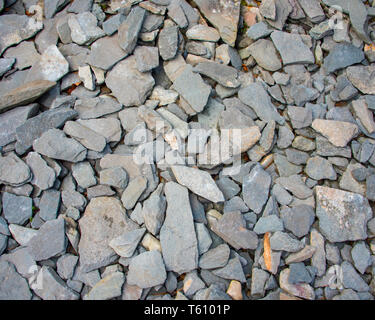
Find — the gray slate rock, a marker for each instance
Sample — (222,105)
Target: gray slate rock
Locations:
(92,108)
(84,135)
(125,244)
(232,271)
(3,243)
(256,97)
(193,89)
(343,55)
(319,168)
(105,53)
(84,174)
(154,210)
(177,235)
(271,223)
(12,119)
(23,94)
(66,265)
(12,285)
(22,260)
(192,284)
(51,66)
(255,188)
(54,144)
(50,240)
(147,58)
(351,279)
(107,288)
(103,220)
(147,270)
(296,186)
(79,6)
(231,227)
(13,171)
(224,16)
(72,198)
(362,78)
(264,53)
(198,181)
(111,25)
(49,204)
(298,219)
(116,177)
(168,42)
(129,30)
(53,288)
(43,175)
(133,192)
(361,257)
(129,86)
(342,215)
(215,258)
(4,227)
(281,241)
(225,75)
(299,273)
(203,237)
(84,29)
(15,28)
(291,48)
(33,128)
(300,117)
(16,209)
(259,30)
(6,64)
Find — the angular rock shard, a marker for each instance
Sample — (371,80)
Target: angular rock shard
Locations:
(177,235)
(25,94)
(198,181)
(339,133)
(103,220)
(224,15)
(342,215)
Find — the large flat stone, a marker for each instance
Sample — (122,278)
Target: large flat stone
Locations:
(24,94)
(129,86)
(177,235)
(224,15)
(103,220)
(342,215)
(198,181)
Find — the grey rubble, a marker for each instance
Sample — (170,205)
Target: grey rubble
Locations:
(187,150)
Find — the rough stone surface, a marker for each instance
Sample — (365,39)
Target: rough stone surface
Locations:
(342,215)
(224,15)
(147,270)
(256,97)
(12,285)
(291,48)
(192,88)
(50,240)
(24,94)
(337,132)
(16,209)
(33,128)
(103,220)
(256,188)
(177,235)
(231,228)
(13,171)
(54,144)
(128,85)
(199,182)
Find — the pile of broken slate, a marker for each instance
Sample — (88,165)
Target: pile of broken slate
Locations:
(87,86)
